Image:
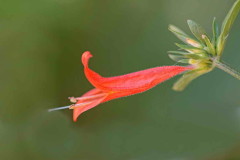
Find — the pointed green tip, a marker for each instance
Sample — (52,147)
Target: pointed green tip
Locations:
(173,28)
(189,21)
(170,26)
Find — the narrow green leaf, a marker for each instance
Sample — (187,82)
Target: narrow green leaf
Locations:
(210,46)
(178,55)
(176,58)
(194,56)
(197,30)
(189,48)
(175,29)
(183,46)
(227,25)
(178,52)
(188,77)
(184,37)
(184,61)
(230,18)
(215,30)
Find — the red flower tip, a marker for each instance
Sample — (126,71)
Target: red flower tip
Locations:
(85,58)
(110,88)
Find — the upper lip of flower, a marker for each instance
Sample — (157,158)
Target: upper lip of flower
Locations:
(132,81)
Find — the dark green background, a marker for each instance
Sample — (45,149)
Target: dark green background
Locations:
(41,43)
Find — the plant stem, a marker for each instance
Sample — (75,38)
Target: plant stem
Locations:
(227,69)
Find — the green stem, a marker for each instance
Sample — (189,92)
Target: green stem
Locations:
(227,69)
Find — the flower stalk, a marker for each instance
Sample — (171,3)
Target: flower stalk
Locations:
(227,69)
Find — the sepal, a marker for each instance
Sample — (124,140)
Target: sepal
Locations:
(187,78)
(196,30)
(184,37)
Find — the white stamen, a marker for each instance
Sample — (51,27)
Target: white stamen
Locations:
(58,108)
(74,100)
(80,105)
(89,97)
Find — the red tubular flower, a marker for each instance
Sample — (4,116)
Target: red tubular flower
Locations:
(110,88)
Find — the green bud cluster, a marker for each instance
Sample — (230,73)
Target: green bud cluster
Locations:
(202,51)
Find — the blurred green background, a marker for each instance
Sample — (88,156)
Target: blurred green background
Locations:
(41,43)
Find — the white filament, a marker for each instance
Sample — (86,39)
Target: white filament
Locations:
(91,97)
(80,105)
(58,108)
(70,107)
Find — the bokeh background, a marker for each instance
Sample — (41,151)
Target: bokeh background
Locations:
(41,43)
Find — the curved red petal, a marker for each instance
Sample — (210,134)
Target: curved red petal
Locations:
(80,110)
(92,76)
(136,81)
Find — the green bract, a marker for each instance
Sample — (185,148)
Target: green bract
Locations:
(201,51)
(227,25)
